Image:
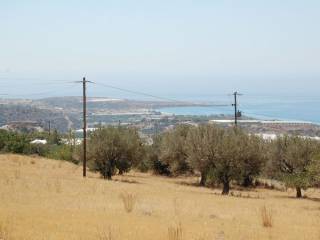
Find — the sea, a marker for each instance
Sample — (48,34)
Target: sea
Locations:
(286,108)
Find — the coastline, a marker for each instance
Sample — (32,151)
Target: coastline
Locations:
(227,111)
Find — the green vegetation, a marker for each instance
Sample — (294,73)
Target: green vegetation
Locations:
(232,156)
(114,148)
(294,161)
(222,157)
(16,143)
(152,157)
(20,143)
(173,150)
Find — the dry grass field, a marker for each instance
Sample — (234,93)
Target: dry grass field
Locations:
(47,199)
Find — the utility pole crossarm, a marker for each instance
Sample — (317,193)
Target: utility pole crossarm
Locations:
(235,105)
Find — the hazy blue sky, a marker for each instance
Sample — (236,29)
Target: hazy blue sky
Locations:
(197,47)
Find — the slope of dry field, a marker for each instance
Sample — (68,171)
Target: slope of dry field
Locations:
(47,199)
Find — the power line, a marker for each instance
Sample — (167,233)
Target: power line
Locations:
(260,115)
(141,93)
(248,111)
(156,96)
(107,86)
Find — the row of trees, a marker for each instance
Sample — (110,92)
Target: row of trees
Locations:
(221,156)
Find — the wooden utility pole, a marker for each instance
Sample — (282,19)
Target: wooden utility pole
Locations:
(49,126)
(84,86)
(84,127)
(235,105)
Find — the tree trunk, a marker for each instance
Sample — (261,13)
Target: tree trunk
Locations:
(226,188)
(107,174)
(247,182)
(203,179)
(299,193)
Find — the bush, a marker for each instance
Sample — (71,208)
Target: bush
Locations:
(4,136)
(16,143)
(61,152)
(40,149)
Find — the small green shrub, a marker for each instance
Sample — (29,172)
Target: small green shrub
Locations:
(61,152)
(17,143)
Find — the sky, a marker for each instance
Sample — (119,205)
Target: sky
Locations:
(168,47)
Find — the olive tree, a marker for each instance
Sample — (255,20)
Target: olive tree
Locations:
(173,150)
(252,159)
(153,157)
(202,146)
(293,158)
(227,166)
(114,148)
(224,155)
(314,171)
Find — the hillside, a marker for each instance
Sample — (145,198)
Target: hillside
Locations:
(47,199)
(65,113)
(10,113)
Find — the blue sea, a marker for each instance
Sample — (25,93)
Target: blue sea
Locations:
(270,108)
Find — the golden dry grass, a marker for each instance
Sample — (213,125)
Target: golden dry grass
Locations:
(129,201)
(175,232)
(47,199)
(266,217)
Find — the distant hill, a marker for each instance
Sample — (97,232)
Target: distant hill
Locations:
(10,113)
(66,112)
